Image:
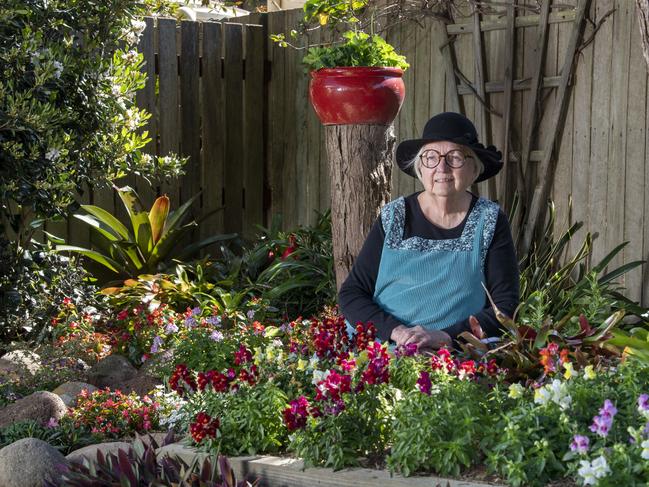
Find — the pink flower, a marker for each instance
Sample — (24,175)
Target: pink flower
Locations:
(423,383)
(579,444)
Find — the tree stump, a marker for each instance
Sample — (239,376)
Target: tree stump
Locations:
(360,172)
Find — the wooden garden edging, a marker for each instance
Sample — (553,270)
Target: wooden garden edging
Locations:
(290,472)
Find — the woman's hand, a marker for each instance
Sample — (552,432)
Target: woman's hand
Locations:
(424,339)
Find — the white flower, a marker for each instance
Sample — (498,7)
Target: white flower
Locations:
(319,376)
(516,390)
(313,362)
(556,391)
(58,69)
(138,26)
(130,56)
(52,154)
(133,118)
(591,471)
(146,158)
(645,449)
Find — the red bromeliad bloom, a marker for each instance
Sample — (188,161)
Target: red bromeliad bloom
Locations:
(204,426)
(292,247)
(182,380)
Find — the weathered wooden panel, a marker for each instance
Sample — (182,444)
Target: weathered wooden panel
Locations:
(599,132)
(253,166)
(276,102)
(212,130)
(169,121)
(234,147)
(190,183)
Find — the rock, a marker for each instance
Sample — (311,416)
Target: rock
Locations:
(90,451)
(113,372)
(29,463)
(155,365)
(17,364)
(69,391)
(141,384)
(39,406)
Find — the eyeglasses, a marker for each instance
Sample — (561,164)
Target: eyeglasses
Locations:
(454,158)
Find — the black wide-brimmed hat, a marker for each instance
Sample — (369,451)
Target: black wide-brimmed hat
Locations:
(451,127)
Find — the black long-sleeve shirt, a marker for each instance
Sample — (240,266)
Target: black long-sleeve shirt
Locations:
(501,273)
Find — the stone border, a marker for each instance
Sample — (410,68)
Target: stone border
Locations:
(289,472)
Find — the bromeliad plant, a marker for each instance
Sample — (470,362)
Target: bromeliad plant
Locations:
(147,246)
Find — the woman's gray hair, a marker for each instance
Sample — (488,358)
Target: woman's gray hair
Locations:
(415,163)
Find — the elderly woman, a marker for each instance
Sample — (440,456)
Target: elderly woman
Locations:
(419,276)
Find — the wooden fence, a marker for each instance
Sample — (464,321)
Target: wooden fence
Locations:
(257,150)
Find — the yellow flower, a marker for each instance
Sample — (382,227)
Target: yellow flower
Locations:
(301,364)
(570,371)
(589,372)
(516,391)
(258,358)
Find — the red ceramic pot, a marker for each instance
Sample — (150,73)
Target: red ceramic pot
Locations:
(357,95)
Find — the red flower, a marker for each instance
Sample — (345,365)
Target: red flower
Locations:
(423,383)
(242,356)
(203,426)
(181,380)
(292,247)
(295,416)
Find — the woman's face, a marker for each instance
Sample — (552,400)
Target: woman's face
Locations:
(444,180)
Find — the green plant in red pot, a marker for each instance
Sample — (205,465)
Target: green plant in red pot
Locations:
(357,79)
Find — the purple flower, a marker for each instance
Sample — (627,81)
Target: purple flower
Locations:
(406,350)
(190,322)
(171,328)
(579,444)
(602,423)
(250,314)
(213,320)
(52,423)
(216,335)
(423,383)
(157,343)
(196,311)
(643,405)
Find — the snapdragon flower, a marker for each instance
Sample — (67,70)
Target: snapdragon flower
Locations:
(216,336)
(580,444)
(423,383)
(645,449)
(556,392)
(602,423)
(171,328)
(590,472)
(157,343)
(516,390)
(643,405)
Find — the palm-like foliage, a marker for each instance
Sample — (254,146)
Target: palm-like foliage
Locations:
(144,248)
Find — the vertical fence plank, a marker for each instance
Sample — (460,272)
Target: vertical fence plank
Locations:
(406,129)
(147,99)
(276,103)
(212,130)
(317,176)
(635,198)
(624,22)
(599,139)
(562,186)
(189,116)
(254,130)
(233,64)
(581,169)
(422,94)
(169,123)
(292,194)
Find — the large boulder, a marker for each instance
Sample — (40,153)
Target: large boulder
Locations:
(141,384)
(112,371)
(18,364)
(29,463)
(90,451)
(39,406)
(69,391)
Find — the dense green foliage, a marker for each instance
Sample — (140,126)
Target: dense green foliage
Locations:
(67,111)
